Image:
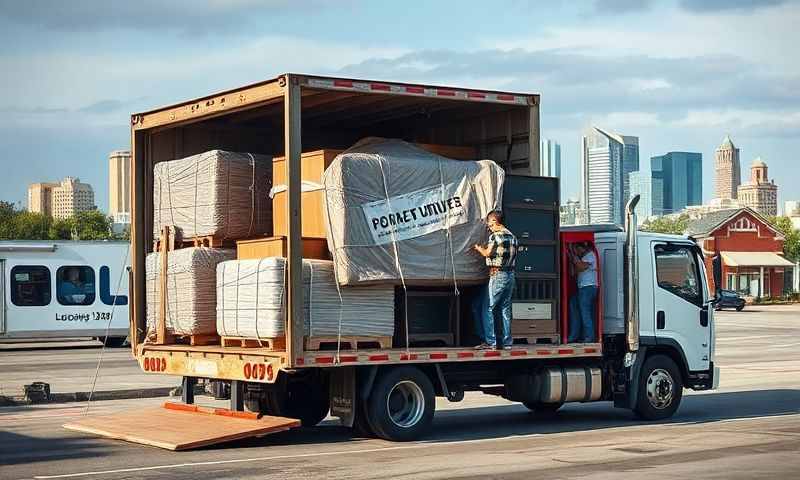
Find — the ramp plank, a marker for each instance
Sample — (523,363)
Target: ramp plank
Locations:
(178,430)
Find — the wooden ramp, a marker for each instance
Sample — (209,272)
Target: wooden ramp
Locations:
(177,426)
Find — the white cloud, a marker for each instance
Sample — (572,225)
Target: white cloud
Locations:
(73,81)
(763,36)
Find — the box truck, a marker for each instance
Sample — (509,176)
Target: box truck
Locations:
(654,315)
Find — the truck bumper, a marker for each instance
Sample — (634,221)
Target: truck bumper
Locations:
(705,380)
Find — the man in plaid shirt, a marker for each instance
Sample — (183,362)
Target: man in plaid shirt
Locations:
(500,254)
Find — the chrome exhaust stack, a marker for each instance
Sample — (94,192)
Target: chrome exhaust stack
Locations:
(631,277)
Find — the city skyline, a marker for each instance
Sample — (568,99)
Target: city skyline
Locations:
(726,70)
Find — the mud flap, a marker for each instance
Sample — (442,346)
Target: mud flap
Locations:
(178,426)
(343,393)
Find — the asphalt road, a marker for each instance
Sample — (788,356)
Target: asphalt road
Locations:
(71,366)
(750,428)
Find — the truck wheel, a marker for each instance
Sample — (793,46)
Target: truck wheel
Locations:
(543,409)
(308,401)
(401,405)
(361,426)
(660,389)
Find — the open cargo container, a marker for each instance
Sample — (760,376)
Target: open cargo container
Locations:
(294,113)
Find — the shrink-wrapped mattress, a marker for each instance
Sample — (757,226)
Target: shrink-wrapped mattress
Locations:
(251,301)
(216,193)
(395,212)
(191,296)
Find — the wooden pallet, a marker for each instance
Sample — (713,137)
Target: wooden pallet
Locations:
(537,339)
(347,343)
(211,242)
(274,344)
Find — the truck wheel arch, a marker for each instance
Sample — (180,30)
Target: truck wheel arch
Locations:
(668,347)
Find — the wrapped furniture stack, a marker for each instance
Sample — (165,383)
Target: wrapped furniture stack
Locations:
(200,202)
(251,296)
(217,194)
(398,214)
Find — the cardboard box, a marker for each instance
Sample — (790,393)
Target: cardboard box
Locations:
(315,248)
(313,165)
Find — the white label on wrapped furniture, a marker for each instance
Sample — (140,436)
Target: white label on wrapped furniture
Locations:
(417,213)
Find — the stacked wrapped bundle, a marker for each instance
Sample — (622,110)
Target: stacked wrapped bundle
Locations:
(219,194)
(251,301)
(396,212)
(191,297)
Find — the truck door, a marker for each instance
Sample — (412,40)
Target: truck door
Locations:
(679,300)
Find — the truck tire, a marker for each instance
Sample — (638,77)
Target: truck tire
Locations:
(308,401)
(401,405)
(660,389)
(543,409)
(361,426)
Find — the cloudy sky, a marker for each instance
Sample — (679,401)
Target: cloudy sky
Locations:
(679,74)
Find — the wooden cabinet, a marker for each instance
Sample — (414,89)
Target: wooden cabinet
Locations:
(312,167)
(316,248)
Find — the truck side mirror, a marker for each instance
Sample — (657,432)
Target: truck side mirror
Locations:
(716,267)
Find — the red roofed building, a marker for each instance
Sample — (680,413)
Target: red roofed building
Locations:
(751,251)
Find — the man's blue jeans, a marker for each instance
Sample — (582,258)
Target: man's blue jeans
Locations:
(480,302)
(501,289)
(581,315)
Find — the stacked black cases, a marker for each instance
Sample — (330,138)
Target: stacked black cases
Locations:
(531,211)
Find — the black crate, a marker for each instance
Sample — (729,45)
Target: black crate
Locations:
(520,190)
(537,259)
(531,223)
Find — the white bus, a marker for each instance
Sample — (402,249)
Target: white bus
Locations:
(52,289)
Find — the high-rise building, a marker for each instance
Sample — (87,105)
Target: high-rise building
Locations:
(61,200)
(728,172)
(606,160)
(760,194)
(677,181)
(71,197)
(641,185)
(571,213)
(550,159)
(40,198)
(791,209)
(119,185)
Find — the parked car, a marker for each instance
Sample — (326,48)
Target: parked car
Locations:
(729,299)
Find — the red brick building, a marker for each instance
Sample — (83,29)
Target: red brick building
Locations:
(751,251)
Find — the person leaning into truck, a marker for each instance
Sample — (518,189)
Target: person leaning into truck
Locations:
(500,254)
(581,305)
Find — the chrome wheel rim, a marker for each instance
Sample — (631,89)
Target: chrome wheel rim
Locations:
(405,404)
(660,386)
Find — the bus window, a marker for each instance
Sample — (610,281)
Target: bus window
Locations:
(75,285)
(30,285)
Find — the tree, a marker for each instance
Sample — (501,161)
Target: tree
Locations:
(18,224)
(791,245)
(92,225)
(674,225)
(29,226)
